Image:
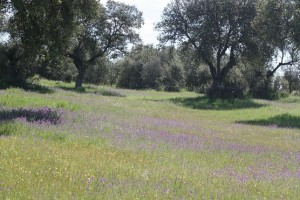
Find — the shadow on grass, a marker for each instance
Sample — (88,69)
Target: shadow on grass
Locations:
(31,88)
(204,103)
(38,88)
(34,115)
(92,90)
(81,90)
(282,121)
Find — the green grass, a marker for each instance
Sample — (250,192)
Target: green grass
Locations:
(17,98)
(128,144)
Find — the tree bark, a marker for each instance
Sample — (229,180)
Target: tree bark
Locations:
(79,79)
(216,89)
(81,68)
(272,72)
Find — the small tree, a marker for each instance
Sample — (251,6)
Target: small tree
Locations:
(292,76)
(219,31)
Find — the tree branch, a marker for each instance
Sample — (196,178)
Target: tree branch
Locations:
(230,64)
(271,73)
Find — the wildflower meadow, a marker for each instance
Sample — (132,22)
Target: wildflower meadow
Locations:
(108,143)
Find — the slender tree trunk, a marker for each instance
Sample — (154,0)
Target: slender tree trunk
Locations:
(290,87)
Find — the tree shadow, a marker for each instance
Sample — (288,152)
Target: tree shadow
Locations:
(80,90)
(33,115)
(38,88)
(109,93)
(31,88)
(282,121)
(204,103)
(92,90)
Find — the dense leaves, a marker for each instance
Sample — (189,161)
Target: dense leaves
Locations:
(150,68)
(108,33)
(224,34)
(219,31)
(276,26)
(44,32)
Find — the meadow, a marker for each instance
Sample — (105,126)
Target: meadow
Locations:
(106,143)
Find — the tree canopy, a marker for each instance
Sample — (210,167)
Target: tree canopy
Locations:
(222,32)
(108,33)
(276,26)
(225,48)
(83,30)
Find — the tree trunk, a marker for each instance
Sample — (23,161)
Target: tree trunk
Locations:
(290,87)
(79,79)
(216,89)
(79,64)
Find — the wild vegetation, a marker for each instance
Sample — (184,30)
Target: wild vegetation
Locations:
(107,143)
(82,116)
(224,48)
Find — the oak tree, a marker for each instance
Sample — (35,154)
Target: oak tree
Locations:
(108,33)
(218,30)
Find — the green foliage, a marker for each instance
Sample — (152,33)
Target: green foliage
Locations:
(292,76)
(269,88)
(173,78)
(3,8)
(296,26)
(58,68)
(39,33)
(130,75)
(197,75)
(107,33)
(149,68)
(14,65)
(99,73)
(217,31)
(275,26)
(227,48)
(43,33)
(46,26)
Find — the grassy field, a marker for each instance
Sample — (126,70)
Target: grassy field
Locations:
(107,143)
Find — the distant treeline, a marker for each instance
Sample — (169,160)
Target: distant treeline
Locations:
(224,48)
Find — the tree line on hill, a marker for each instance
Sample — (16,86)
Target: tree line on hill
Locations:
(224,48)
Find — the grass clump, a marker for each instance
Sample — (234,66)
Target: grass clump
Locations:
(10,129)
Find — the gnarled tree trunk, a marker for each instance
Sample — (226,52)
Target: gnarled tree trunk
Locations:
(217,89)
(80,78)
(81,68)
